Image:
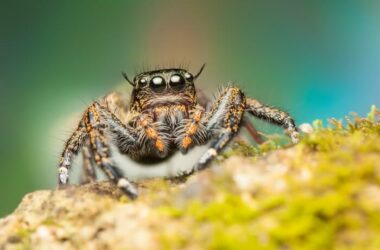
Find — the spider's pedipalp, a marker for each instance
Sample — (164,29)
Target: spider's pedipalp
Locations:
(151,135)
(191,131)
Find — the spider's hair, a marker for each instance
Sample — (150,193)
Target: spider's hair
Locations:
(146,67)
(184,66)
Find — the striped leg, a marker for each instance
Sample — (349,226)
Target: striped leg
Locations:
(151,133)
(224,120)
(205,102)
(96,122)
(92,127)
(72,147)
(273,115)
(191,131)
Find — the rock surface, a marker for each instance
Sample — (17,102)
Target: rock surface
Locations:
(323,193)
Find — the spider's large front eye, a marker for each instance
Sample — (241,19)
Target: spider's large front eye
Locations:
(157,84)
(177,82)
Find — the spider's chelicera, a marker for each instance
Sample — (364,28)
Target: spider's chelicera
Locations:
(164,114)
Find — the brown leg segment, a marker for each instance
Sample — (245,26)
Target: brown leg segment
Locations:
(252,131)
(273,115)
(72,147)
(151,133)
(205,102)
(89,173)
(92,127)
(95,126)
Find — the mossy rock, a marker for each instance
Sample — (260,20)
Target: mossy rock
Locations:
(323,193)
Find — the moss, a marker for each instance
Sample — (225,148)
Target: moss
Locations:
(332,208)
(22,239)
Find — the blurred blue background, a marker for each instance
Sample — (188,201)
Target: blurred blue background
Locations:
(315,59)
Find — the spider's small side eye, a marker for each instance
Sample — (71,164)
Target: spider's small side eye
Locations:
(142,82)
(157,84)
(189,76)
(177,82)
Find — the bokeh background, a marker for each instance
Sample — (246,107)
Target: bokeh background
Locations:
(315,59)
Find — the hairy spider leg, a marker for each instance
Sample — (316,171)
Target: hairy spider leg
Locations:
(96,125)
(89,173)
(72,147)
(205,101)
(252,131)
(92,126)
(224,120)
(113,101)
(273,115)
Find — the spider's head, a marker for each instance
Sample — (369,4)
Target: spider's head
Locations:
(163,87)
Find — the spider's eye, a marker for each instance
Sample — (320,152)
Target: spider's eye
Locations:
(177,82)
(142,82)
(188,76)
(157,84)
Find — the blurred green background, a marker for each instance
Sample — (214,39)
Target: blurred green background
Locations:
(315,59)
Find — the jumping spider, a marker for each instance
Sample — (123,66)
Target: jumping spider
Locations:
(164,115)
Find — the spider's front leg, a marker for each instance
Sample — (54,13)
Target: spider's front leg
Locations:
(273,115)
(72,148)
(96,121)
(115,102)
(222,122)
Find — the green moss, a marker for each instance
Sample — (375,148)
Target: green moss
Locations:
(22,238)
(336,207)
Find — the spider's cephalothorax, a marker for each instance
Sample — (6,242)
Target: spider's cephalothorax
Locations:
(164,114)
(163,88)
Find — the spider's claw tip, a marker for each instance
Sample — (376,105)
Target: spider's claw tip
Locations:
(295,138)
(63,175)
(128,188)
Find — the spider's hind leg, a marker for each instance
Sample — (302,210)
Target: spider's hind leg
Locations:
(273,115)
(248,125)
(88,169)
